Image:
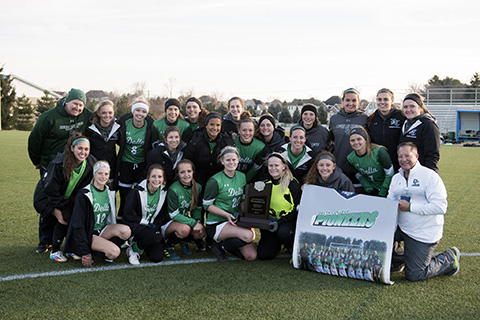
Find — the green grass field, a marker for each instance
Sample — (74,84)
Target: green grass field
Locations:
(239,290)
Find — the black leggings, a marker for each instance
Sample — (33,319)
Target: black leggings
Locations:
(270,243)
(150,240)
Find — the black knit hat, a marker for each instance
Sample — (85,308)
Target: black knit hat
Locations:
(310,107)
(268,117)
(193,99)
(172,102)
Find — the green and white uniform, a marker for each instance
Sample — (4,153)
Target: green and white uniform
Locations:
(135,142)
(374,172)
(225,193)
(161,125)
(179,198)
(251,156)
(101,207)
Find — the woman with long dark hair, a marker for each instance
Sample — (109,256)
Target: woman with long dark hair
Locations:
(69,172)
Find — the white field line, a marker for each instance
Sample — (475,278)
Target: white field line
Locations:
(142,265)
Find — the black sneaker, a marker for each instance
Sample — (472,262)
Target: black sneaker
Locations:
(42,247)
(219,253)
(199,246)
(397,269)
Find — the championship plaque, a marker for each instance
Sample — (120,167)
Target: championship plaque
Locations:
(256,209)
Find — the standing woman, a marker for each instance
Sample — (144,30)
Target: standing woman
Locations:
(223,193)
(195,113)
(135,142)
(371,163)
(421,129)
(184,208)
(205,146)
(168,153)
(103,135)
(348,117)
(385,124)
(298,155)
(145,213)
(252,151)
(325,173)
(236,106)
(273,137)
(318,137)
(69,172)
(93,227)
(172,118)
(285,197)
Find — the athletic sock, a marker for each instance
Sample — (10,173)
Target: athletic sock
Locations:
(172,240)
(233,243)
(135,247)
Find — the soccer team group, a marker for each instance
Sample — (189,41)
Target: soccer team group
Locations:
(181,179)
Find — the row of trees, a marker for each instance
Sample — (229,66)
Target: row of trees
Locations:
(19,113)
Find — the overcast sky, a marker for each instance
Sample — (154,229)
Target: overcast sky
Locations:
(252,48)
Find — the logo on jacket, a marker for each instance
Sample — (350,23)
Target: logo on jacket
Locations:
(395,123)
(412,133)
(415,183)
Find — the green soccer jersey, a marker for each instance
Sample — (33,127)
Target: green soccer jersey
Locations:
(135,142)
(152,203)
(179,198)
(161,125)
(251,156)
(373,172)
(225,193)
(101,207)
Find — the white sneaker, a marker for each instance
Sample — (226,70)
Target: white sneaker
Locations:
(133,257)
(58,256)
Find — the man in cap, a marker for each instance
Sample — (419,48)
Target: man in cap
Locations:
(49,137)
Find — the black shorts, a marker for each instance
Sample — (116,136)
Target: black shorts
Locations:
(132,173)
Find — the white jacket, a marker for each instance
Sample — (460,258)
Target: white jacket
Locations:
(428,203)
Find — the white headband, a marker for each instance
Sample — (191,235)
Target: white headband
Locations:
(140,105)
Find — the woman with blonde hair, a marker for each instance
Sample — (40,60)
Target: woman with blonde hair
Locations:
(285,198)
(223,193)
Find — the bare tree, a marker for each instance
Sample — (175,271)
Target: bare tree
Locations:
(139,88)
(170,85)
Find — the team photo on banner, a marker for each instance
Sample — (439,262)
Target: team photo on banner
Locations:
(345,234)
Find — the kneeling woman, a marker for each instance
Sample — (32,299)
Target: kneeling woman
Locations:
(325,173)
(183,200)
(145,213)
(93,225)
(286,194)
(69,172)
(223,194)
(370,162)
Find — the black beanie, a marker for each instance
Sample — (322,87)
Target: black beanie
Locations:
(172,102)
(310,107)
(194,100)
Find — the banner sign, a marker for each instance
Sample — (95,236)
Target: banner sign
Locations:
(345,234)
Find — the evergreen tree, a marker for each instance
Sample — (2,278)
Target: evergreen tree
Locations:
(285,116)
(7,100)
(222,110)
(45,103)
(296,116)
(475,81)
(322,115)
(122,106)
(24,114)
